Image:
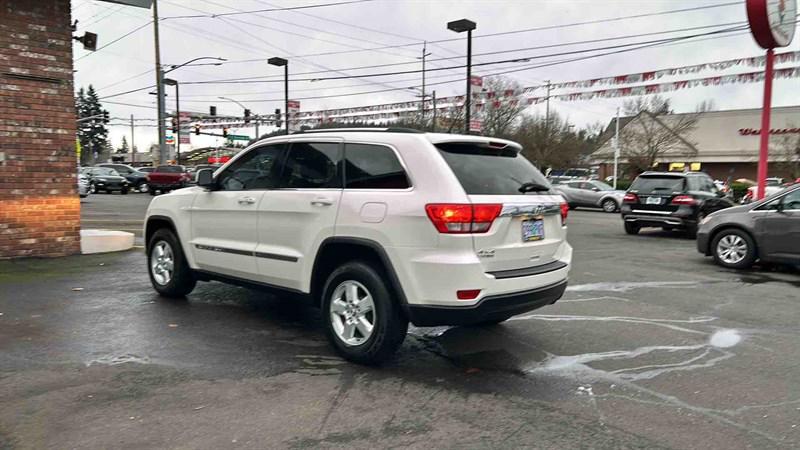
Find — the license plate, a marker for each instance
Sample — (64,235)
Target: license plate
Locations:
(532,230)
(653,201)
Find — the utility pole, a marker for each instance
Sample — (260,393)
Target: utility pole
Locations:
(133,144)
(178,131)
(616,150)
(547,109)
(433,126)
(424,55)
(162,138)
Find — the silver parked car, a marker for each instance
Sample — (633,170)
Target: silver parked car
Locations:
(591,193)
(768,230)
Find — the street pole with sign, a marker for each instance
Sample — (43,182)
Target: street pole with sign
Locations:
(773,24)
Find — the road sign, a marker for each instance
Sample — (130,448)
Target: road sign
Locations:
(476,125)
(170,139)
(185,139)
(238,137)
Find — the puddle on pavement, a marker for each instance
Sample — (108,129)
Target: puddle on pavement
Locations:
(113,360)
(625,286)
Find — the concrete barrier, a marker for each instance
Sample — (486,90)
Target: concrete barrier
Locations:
(104,241)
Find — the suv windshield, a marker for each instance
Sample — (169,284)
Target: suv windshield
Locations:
(649,184)
(490,171)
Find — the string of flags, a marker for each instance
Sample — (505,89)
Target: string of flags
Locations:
(484,100)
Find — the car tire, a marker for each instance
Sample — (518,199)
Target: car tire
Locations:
(92,189)
(171,275)
(742,248)
(347,315)
(609,205)
(153,192)
(143,187)
(632,228)
(123,191)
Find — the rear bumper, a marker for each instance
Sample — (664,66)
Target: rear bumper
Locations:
(487,309)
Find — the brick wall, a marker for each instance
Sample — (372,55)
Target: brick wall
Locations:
(39,205)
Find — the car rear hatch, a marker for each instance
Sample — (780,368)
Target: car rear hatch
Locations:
(527,228)
(654,193)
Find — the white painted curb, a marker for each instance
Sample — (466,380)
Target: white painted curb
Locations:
(104,241)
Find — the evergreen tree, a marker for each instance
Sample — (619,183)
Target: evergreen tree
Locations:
(124,147)
(92,133)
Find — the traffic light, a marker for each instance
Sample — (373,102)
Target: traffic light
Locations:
(212,110)
(278,122)
(225,132)
(174,124)
(197,130)
(246,116)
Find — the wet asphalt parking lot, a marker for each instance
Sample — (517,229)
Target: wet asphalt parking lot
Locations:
(652,346)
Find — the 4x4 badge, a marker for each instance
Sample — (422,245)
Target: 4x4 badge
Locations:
(486,253)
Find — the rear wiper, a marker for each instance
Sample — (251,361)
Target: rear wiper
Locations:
(533,187)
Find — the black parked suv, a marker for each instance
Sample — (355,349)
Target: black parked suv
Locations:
(671,200)
(136,178)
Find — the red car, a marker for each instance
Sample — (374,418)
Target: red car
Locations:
(167,178)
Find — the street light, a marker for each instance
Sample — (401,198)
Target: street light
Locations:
(276,61)
(162,145)
(460,26)
(244,108)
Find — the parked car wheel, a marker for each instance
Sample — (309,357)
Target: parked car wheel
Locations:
(143,187)
(92,189)
(609,205)
(734,249)
(152,192)
(362,316)
(632,228)
(169,272)
(124,191)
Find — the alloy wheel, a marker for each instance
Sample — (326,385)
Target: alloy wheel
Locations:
(352,313)
(162,263)
(143,187)
(609,206)
(732,249)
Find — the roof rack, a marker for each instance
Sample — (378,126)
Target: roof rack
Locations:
(361,130)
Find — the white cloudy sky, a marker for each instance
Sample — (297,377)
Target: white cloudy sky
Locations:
(128,64)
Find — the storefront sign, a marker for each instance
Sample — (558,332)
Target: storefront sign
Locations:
(772,22)
(756,132)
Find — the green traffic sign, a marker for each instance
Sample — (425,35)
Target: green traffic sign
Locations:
(238,137)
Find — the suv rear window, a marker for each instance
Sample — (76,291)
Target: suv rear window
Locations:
(490,171)
(170,169)
(658,184)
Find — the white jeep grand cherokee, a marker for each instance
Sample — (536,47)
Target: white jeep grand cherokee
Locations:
(379,227)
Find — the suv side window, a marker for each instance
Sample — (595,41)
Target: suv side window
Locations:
(312,165)
(259,169)
(369,166)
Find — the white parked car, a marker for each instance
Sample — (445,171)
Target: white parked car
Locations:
(380,227)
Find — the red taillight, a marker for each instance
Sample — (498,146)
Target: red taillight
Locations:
(461,218)
(684,200)
(630,198)
(468,294)
(564,214)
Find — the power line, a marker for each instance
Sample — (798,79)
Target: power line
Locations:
(289,8)
(526,30)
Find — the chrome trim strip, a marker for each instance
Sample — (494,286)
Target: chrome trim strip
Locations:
(246,253)
(530,209)
(641,211)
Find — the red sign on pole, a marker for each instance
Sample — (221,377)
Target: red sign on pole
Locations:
(476,125)
(773,24)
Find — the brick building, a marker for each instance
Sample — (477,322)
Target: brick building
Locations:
(724,143)
(39,205)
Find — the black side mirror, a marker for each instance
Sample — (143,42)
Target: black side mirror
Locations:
(780,207)
(205,178)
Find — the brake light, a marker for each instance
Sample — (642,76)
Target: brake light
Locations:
(630,198)
(564,213)
(684,200)
(463,218)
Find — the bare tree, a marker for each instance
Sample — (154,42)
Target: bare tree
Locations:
(554,145)
(788,147)
(503,109)
(655,131)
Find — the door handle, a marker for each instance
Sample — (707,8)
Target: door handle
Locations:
(246,200)
(322,201)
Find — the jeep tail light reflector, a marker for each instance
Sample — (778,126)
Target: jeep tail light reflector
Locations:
(630,198)
(459,218)
(468,294)
(684,200)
